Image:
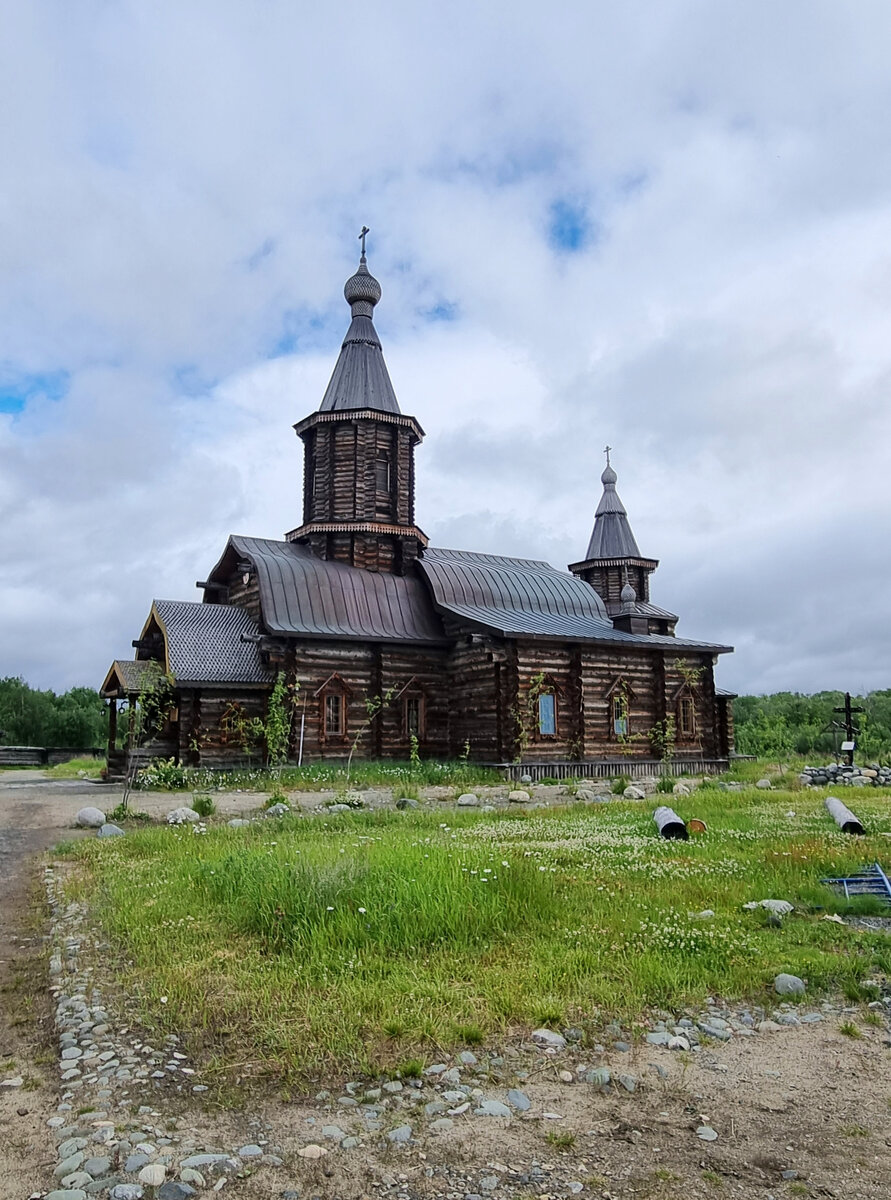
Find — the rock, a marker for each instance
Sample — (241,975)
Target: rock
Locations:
(110,830)
(69,1165)
(175,1190)
(789,985)
(519,1100)
(349,1143)
(253,1150)
(527,778)
(153,1175)
(678,1043)
(634,793)
(237,823)
(312,1151)
(706,1134)
(402,1133)
(492,1108)
(780,908)
(598,1076)
(659,1038)
(14,1081)
(519,797)
(282,810)
(547,1037)
(96,1167)
(183,816)
(69,1194)
(768,1027)
(468,1058)
(189,1175)
(405,802)
(589,796)
(126,1191)
(706,915)
(681,788)
(442,1125)
(332,1132)
(565,1076)
(90,818)
(628,1082)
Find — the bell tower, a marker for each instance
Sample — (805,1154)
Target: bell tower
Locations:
(359,452)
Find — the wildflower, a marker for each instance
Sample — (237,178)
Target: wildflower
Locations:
(362,910)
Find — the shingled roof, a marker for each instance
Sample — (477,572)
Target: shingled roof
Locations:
(612,536)
(360,378)
(210,643)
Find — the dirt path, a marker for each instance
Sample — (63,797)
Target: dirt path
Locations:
(35,814)
(804,1112)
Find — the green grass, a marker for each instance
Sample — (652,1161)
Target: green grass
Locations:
(71,769)
(353,942)
(170,776)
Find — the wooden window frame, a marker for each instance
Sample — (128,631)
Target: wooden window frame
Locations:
(421,700)
(551,693)
(333,686)
(619,694)
(687,732)
(327,699)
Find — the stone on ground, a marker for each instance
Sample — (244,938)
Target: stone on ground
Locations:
(789,985)
(519,797)
(183,816)
(634,793)
(548,1037)
(90,818)
(468,800)
(110,830)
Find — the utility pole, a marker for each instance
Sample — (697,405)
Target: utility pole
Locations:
(850,728)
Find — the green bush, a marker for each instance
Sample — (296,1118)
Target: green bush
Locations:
(203,804)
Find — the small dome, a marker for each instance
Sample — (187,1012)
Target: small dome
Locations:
(629,595)
(608,476)
(362,288)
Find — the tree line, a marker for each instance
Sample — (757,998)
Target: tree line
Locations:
(790,723)
(31,717)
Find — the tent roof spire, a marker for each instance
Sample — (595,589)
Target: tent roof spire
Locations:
(612,536)
(360,378)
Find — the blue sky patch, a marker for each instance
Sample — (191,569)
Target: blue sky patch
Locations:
(569,227)
(17,389)
(445,310)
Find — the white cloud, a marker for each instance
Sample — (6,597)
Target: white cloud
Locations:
(182,189)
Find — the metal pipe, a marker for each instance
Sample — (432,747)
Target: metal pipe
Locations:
(670,824)
(843,817)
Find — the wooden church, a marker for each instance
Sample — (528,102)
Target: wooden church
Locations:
(387,642)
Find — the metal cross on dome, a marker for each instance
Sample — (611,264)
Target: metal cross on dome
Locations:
(365,230)
(606,450)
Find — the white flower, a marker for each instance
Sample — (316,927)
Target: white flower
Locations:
(362,910)
(330,908)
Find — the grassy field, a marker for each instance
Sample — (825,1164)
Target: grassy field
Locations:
(352,942)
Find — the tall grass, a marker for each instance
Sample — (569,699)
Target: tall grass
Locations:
(171,776)
(356,940)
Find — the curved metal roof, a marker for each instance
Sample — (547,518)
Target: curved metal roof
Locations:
(524,597)
(302,594)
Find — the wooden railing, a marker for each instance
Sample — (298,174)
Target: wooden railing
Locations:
(636,768)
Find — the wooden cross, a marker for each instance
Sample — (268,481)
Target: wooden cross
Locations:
(850,729)
(365,230)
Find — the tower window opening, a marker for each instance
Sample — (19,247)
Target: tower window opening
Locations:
(382,473)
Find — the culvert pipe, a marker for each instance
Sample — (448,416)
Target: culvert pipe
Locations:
(843,817)
(670,824)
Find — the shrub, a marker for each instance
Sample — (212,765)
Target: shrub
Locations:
(203,804)
(665,784)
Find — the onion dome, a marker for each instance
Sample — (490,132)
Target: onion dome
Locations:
(629,595)
(612,536)
(362,291)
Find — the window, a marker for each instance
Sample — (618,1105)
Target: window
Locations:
(413,716)
(382,473)
(620,716)
(547,714)
(686,716)
(334,715)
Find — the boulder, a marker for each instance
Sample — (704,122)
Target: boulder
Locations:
(764,784)
(278,810)
(90,818)
(519,797)
(468,800)
(789,985)
(183,816)
(549,1037)
(109,830)
(632,792)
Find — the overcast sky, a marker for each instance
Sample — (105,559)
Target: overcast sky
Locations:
(665,226)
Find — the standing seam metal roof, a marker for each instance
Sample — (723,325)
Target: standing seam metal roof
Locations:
(302,594)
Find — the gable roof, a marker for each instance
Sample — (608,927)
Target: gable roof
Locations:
(210,643)
(302,594)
